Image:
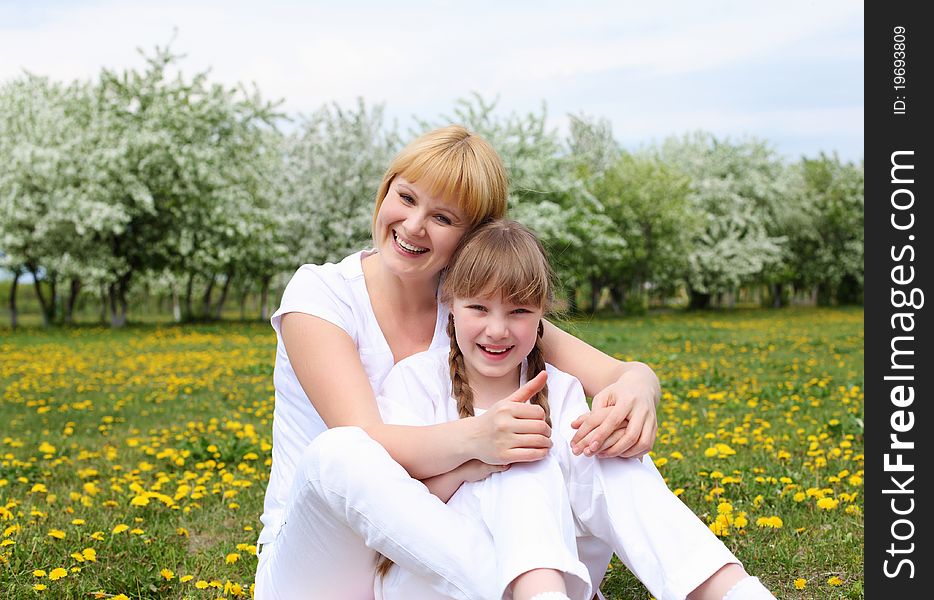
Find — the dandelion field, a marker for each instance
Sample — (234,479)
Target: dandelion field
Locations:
(133,462)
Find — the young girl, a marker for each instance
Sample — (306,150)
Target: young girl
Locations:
(543,518)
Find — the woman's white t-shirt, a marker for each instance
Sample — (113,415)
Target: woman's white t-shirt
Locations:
(336,293)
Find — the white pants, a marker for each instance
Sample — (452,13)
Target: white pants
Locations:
(527,513)
(350,498)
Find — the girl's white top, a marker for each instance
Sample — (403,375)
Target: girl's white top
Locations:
(418,392)
(336,293)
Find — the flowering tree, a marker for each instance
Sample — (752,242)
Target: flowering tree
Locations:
(736,189)
(334,163)
(648,204)
(826,248)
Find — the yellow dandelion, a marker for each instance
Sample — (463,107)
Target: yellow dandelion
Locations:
(58,573)
(57,534)
(835,581)
(773,522)
(141,500)
(39,587)
(186,578)
(828,503)
(232,558)
(201,584)
(800,583)
(120,597)
(39,573)
(167,574)
(90,554)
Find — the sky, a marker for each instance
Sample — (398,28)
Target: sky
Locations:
(789,72)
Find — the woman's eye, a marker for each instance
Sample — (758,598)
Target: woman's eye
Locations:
(407,199)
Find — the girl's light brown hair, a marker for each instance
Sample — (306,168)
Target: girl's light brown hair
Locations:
(457,165)
(500,258)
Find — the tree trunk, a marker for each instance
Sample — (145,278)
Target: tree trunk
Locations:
(595,290)
(176,307)
(104,298)
(243,293)
(14,316)
(206,298)
(73,290)
(699,300)
(118,303)
(264,299)
(220,303)
(186,309)
(45,306)
(776,295)
(618,297)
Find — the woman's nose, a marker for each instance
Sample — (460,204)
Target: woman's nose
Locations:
(415,224)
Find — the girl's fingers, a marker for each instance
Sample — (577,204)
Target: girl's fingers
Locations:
(589,422)
(531,387)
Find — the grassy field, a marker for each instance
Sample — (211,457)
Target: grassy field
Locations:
(133,463)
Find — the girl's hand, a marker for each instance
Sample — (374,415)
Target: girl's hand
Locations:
(512,430)
(476,470)
(622,421)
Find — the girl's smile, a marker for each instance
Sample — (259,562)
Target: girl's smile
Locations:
(494,336)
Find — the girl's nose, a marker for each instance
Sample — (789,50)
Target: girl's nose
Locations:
(496,328)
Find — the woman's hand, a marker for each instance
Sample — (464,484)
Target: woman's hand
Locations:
(512,430)
(622,420)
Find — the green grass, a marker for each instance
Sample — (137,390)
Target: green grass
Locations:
(181,416)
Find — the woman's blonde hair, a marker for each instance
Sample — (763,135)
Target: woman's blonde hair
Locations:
(501,258)
(452,163)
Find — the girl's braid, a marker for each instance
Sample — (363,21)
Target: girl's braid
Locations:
(535,365)
(460,389)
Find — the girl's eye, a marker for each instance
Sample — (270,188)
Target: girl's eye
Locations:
(479,307)
(521,310)
(443,220)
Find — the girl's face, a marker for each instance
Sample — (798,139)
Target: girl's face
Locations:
(494,335)
(416,232)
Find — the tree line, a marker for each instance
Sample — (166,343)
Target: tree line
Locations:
(148,179)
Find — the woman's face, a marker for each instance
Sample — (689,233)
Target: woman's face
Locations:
(494,335)
(416,232)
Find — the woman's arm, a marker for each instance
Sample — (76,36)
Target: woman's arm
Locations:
(622,421)
(328,367)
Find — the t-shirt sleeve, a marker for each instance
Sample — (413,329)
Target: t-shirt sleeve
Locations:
(413,393)
(320,291)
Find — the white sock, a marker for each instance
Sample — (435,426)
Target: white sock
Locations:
(550,596)
(749,588)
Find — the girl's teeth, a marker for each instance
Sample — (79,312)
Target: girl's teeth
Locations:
(491,351)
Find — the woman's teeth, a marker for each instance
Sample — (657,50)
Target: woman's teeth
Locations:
(408,247)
